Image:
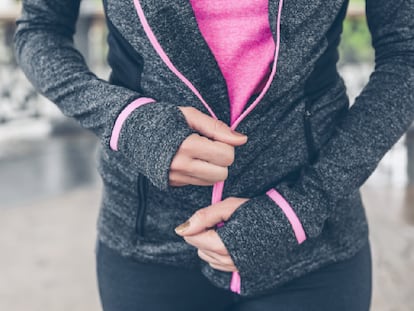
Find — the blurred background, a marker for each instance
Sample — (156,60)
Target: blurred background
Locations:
(50,192)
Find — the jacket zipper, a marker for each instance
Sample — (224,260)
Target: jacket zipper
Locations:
(217,194)
(142,185)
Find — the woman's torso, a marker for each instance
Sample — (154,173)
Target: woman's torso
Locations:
(295,118)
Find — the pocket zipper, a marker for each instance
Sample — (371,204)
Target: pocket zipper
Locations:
(310,142)
(142,185)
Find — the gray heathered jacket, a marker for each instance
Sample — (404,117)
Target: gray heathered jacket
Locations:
(304,140)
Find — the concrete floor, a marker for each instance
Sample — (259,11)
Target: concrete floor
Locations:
(47,254)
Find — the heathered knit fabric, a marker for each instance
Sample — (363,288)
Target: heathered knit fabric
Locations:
(323,192)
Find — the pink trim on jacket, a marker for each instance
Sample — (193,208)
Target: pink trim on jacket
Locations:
(235,284)
(113,143)
(290,214)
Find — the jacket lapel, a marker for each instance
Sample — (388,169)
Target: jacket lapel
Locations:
(175,28)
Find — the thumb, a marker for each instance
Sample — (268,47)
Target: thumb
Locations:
(214,129)
(208,217)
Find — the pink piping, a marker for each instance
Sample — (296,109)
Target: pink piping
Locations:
(165,58)
(113,143)
(290,214)
(217,194)
(235,284)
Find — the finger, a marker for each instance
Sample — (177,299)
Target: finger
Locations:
(208,258)
(214,152)
(215,257)
(180,180)
(210,216)
(199,169)
(217,263)
(212,128)
(173,184)
(207,240)
(223,268)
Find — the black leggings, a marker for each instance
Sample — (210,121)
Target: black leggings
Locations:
(127,285)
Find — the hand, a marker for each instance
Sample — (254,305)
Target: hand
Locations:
(203,159)
(199,232)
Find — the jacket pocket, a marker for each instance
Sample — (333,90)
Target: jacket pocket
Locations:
(322,115)
(142,189)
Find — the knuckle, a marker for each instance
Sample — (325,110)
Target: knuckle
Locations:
(223,252)
(173,165)
(224,174)
(176,164)
(219,126)
(228,261)
(200,253)
(192,144)
(191,168)
(175,182)
(201,214)
(230,155)
(226,153)
(189,141)
(173,178)
(218,249)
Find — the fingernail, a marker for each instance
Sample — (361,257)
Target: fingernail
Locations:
(181,228)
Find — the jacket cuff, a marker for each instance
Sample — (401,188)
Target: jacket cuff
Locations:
(290,214)
(116,131)
(149,137)
(264,231)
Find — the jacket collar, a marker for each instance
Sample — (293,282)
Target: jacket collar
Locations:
(175,28)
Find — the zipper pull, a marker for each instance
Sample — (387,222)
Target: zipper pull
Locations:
(235,284)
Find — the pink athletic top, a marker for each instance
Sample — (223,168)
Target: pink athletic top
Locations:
(239,36)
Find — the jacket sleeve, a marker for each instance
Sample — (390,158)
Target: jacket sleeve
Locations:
(269,227)
(45,51)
